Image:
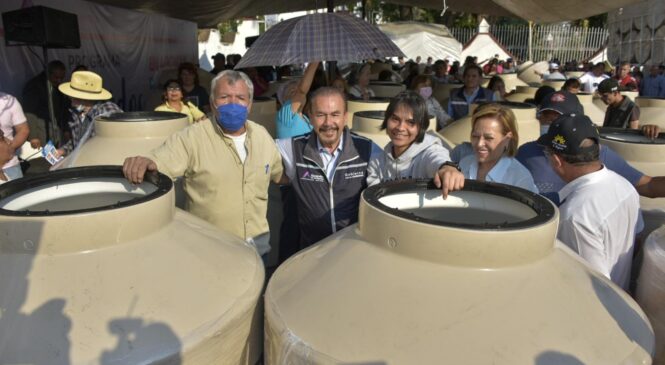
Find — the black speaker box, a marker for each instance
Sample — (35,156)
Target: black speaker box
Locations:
(41,26)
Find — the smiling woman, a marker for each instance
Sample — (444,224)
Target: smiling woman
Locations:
(494,138)
(411,152)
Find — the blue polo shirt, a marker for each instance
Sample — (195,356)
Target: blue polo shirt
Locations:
(531,155)
(289,124)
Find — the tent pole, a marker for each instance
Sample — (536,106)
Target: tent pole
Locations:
(530,49)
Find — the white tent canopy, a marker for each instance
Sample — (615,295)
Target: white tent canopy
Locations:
(484,46)
(424,40)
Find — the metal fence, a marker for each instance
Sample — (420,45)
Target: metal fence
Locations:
(560,41)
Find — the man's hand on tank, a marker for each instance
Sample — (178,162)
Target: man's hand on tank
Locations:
(650,131)
(135,168)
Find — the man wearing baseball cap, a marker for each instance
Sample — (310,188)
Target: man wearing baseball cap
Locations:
(621,111)
(600,209)
(89,100)
(532,156)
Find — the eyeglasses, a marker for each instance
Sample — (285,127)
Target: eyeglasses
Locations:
(173,88)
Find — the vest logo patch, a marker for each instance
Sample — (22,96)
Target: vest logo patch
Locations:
(307,176)
(353,175)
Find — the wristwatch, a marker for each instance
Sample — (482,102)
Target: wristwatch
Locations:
(451,164)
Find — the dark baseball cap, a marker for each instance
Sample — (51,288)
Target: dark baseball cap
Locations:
(608,85)
(218,55)
(567,133)
(562,102)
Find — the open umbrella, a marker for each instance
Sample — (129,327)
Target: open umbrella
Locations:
(319,37)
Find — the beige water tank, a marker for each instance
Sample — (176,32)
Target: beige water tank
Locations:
(528,73)
(123,135)
(354,106)
(477,278)
(599,102)
(523,66)
(522,93)
(368,124)
(441,92)
(653,115)
(556,85)
(650,293)
(386,89)
(264,111)
(632,95)
(527,125)
(94,270)
(643,102)
(645,155)
(512,82)
(591,110)
(574,74)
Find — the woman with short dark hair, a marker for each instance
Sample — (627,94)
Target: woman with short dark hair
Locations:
(411,152)
(173,102)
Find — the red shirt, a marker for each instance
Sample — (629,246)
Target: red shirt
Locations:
(627,83)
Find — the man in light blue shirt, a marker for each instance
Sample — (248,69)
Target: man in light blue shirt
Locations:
(653,84)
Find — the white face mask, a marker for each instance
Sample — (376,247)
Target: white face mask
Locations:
(79,108)
(544,128)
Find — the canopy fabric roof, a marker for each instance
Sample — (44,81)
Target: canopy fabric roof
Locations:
(207,13)
(423,39)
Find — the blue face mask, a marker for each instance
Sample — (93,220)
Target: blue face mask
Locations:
(231,117)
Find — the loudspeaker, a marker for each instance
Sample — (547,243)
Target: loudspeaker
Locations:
(41,26)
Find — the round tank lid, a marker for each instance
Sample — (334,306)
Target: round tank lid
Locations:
(262,98)
(371,114)
(141,116)
(385,83)
(78,190)
(479,206)
(629,136)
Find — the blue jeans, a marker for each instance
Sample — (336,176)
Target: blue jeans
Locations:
(13,172)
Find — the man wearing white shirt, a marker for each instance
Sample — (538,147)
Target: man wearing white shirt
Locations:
(593,78)
(599,209)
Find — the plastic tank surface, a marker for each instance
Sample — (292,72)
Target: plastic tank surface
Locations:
(528,73)
(574,74)
(592,110)
(522,93)
(442,92)
(368,124)
(94,270)
(643,102)
(645,155)
(650,292)
(512,81)
(653,115)
(354,106)
(528,126)
(632,95)
(264,111)
(556,85)
(122,135)
(477,278)
(386,89)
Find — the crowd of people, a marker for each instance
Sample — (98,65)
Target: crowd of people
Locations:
(228,161)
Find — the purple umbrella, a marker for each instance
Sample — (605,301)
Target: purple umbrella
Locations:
(319,37)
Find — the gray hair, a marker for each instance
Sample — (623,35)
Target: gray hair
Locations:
(231,76)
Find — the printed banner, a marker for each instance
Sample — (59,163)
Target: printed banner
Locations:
(131,50)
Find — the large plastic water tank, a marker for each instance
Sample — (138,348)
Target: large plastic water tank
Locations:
(94,270)
(574,74)
(643,102)
(264,111)
(591,110)
(512,81)
(527,125)
(477,278)
(653,115)
(646,155)
(386,89)
(122,135)
(522,93)
(354,106)
(441,92)
(368,124)
(528,73)
(650,293)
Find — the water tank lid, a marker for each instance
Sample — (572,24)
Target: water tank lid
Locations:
(629,136)
(543,208)
(162,183)
(151,116)
(385,83)
(262,98)
(371,114)
(515,105)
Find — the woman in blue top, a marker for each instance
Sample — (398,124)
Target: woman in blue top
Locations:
(494,139)
(290,120)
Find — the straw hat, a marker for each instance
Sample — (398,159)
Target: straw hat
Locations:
(85,85)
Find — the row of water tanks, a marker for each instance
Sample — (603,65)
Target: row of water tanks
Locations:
(94,270)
